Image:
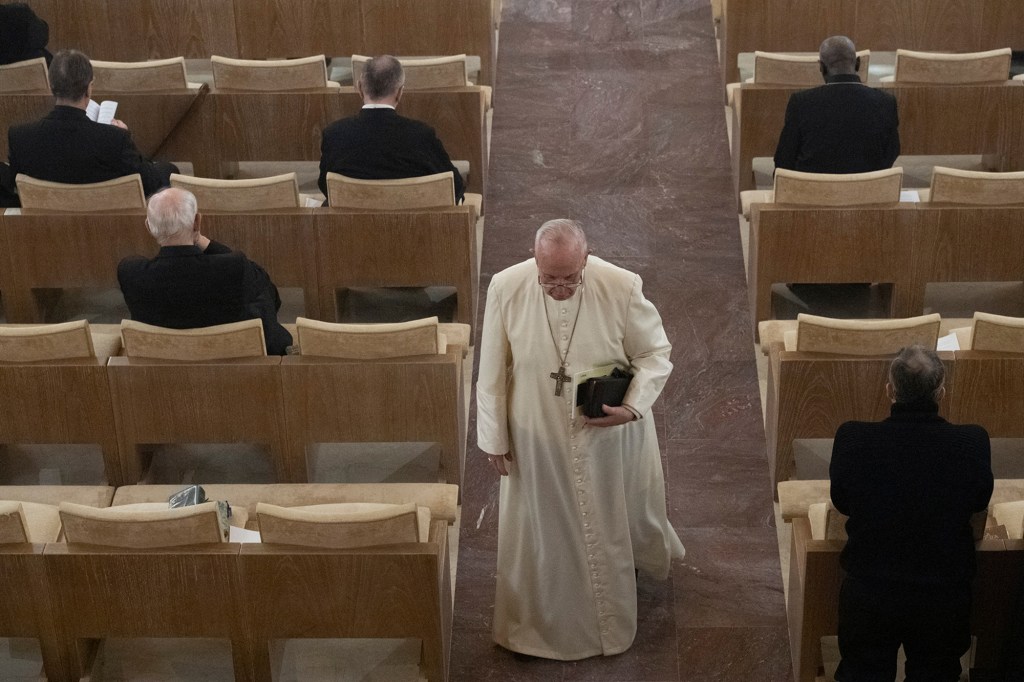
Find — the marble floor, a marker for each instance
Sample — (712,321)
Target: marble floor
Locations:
(610,112)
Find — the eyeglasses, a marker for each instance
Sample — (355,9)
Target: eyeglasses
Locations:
(570,286)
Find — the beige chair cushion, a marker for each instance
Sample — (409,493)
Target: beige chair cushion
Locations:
(864,337)
(220,342)
(1010,515)
(428,191)
(838,189)
(939,67)
(63,341)
(146,525)
(270,75)
(150,76)
(120,194)
(774,331)
(369,341)
(796,497)
(955,186)
(256,194)
(27,77)
(826,522)
(28,522)
(997,333)
(755,196)
(342,526)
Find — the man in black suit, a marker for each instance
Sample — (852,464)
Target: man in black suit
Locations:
(843,126)
(65,146)
(194,281)
(23,35)
(909,485)
(378,144)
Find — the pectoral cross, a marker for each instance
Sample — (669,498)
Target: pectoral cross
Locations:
(560,378)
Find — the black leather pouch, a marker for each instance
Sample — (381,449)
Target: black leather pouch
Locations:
(598,391)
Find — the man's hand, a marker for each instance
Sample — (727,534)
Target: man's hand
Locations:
(613,417)
(498,462)
(118,123)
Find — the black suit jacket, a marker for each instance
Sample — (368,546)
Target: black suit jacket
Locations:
(65,146)
(840,127)
(23,35)
(910,485)
(378,144)
(184,288)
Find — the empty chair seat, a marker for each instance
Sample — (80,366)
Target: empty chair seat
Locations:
(258,194)
(370,341)
(270,75)
(119,194)
(151,76)
(861,337)
(954,186)
(26,78)
(940,67)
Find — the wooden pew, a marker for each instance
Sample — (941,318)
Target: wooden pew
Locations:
(395,591)
(878,25)
(159,402)
(397,249)
(151,117)
(27,609)
(61,402)
(934,119)
(989,391)
(909,246)
(259,29)
(415,399)
(811,394)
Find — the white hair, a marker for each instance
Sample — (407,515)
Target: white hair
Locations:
(561,232)
(171,212)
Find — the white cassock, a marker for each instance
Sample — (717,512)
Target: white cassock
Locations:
(581,507)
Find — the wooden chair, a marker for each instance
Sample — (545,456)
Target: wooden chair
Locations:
(997,333)
(406,399)
(150,76)
(876,188)
(812,391)
(259,194)
(389,590)
(428,191)
(62,396)
(29,77)
(24,592)
(348,525)
(955,186)
(119,194)
(989,386)
(369,341)
(195,400)
(435,247)
(127,574)
(991,66)
(270,74)
(220,342)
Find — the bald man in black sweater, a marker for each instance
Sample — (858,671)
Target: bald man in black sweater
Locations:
(909,485)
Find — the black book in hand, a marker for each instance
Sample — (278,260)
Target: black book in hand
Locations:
(598,391)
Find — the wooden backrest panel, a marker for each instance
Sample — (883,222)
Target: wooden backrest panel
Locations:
(838,189)
(27,77)
(428,191)
(991,66)
(955,186)
(257,194)
(425,73)
(272,75)
(148,76)
(120,194)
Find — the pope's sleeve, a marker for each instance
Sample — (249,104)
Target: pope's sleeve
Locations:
(648,350)
(492,382)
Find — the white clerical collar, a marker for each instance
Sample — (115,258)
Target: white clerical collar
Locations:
(378,106)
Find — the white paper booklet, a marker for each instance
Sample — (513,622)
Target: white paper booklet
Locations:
(101,113)
(948,342)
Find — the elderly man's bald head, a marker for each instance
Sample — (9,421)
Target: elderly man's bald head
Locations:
(838,55)
(171,215)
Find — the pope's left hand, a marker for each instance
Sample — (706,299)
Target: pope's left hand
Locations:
(613,417)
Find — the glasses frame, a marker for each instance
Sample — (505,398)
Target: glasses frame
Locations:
(571,286)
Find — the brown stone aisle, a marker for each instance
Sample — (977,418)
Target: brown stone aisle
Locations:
(610,112)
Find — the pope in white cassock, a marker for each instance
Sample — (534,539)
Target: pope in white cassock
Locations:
(582,500)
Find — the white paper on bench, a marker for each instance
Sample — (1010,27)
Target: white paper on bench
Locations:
(237,534)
